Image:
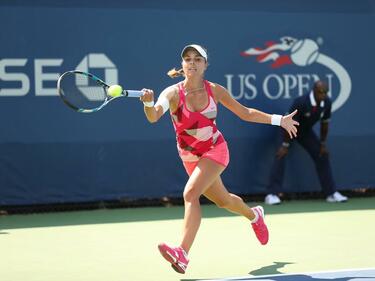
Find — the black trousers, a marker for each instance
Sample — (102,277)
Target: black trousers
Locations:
(310,142)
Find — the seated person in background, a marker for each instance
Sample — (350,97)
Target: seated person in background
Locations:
(311,108)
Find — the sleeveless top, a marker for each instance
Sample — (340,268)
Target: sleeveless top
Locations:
(196,132)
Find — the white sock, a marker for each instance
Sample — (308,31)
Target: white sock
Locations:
(256,216)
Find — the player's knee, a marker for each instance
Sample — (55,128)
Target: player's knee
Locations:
(190,194)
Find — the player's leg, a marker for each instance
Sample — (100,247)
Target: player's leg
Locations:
(218,194)
(203,175)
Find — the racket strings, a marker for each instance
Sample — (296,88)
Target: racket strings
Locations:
(82,91)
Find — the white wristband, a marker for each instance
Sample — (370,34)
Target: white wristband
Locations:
(148,103)
(163,102)
(276,119)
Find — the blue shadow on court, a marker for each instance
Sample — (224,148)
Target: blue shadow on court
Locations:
(270,269)
(302,277)
(361,274)
(297,277)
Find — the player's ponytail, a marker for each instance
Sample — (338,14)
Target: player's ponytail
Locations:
(174,73)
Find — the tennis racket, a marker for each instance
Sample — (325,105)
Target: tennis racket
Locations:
(86,93)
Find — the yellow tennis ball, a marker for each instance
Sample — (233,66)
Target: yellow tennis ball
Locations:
(115,91)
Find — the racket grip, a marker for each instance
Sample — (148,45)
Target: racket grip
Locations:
(133,93)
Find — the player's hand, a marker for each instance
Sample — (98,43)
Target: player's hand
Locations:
(148,95)
(289,124)
(323,150)
(282,152)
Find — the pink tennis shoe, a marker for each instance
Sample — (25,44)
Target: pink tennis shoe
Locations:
(259,226)
(176,256)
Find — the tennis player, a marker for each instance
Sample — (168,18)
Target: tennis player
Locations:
(193,107)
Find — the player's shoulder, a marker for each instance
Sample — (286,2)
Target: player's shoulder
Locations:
(172,89)
(216,87)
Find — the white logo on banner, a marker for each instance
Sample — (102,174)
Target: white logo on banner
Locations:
(19,82)
(96,61)
(292,51)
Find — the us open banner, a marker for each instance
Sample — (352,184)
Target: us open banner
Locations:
(266,54)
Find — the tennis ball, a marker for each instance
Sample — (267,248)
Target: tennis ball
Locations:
(304,52)
(115,91)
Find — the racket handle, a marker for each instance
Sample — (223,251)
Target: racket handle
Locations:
(133,93)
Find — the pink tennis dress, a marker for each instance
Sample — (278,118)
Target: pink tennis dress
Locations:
(196,133)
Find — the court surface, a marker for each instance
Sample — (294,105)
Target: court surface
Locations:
(309,241)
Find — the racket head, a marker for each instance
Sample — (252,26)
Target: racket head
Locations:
(83,91)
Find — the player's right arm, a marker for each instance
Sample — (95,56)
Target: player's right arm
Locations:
(283,150)
(166,100)
(295,106)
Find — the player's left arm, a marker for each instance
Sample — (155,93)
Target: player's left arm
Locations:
(252,114)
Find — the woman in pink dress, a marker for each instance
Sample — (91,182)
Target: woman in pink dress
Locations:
(192,104)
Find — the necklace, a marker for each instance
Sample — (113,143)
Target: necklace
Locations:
(193,90)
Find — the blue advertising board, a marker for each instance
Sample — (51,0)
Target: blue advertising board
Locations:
(266,54)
